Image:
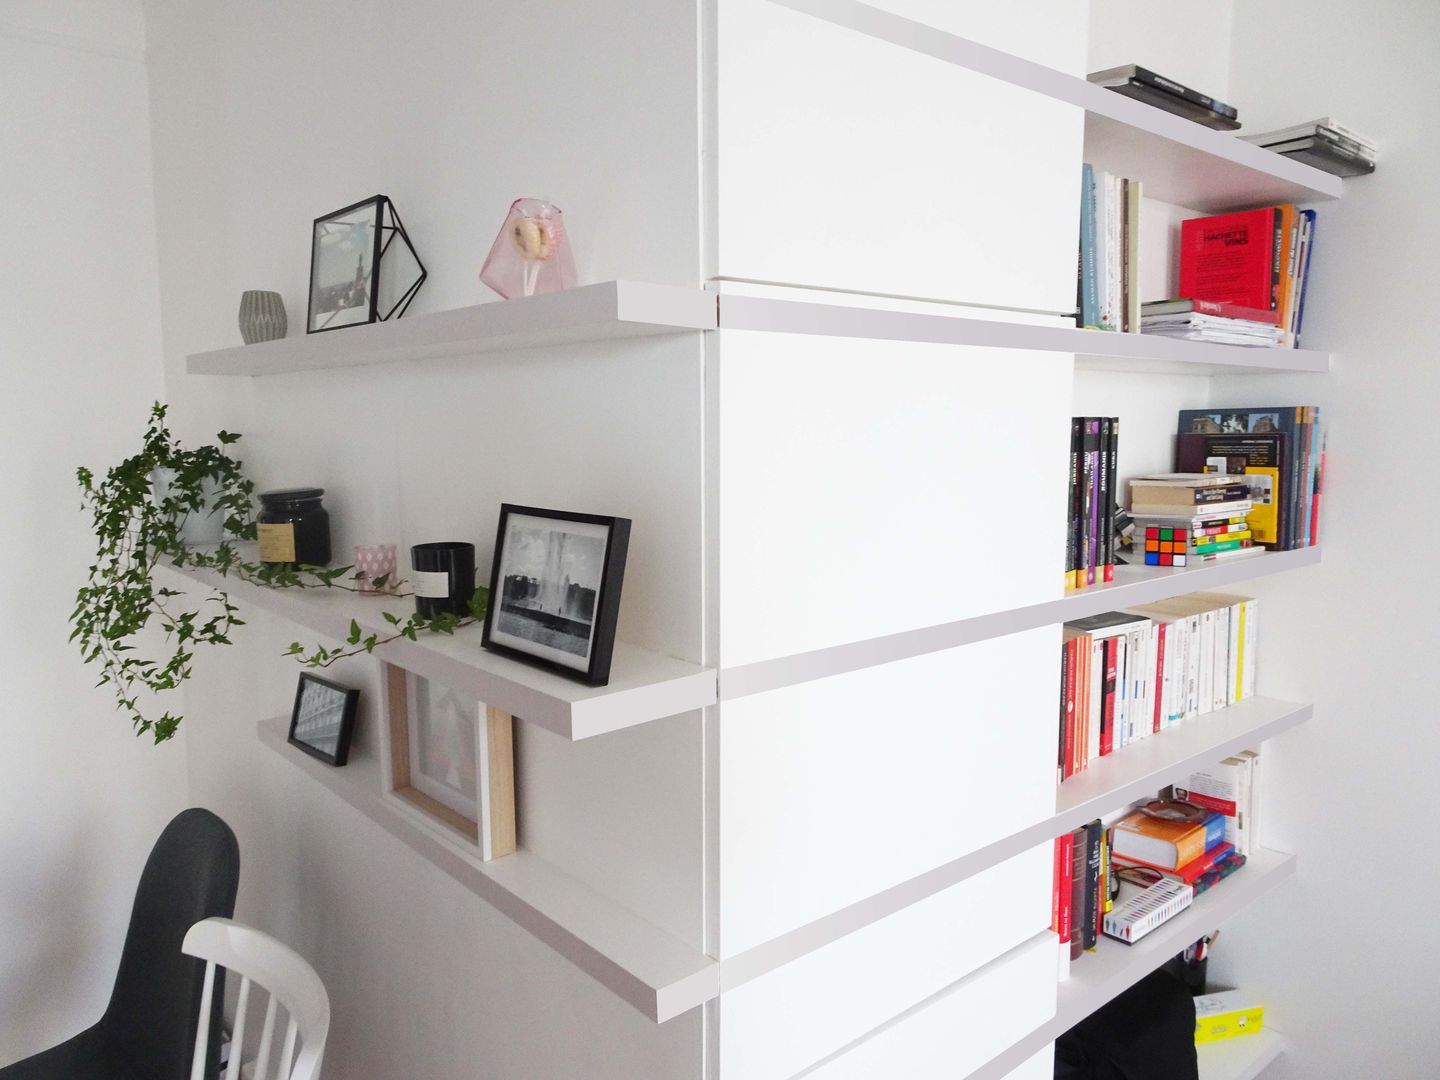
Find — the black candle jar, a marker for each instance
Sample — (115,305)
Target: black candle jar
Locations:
(444,575)
(293,528)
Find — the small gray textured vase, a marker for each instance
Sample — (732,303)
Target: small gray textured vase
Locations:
(262,316)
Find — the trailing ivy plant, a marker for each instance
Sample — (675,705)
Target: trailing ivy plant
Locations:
(136,530)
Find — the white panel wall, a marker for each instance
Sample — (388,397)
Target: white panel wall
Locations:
(847,162)
(872,487)
(775,1026)
(962,1027)
(81,799)
(833,790)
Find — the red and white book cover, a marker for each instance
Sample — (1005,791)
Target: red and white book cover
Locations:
(1230,258)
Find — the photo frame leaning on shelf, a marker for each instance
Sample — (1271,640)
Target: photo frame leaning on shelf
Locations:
(363,267)
(555,590)
(323,719)
(452,758)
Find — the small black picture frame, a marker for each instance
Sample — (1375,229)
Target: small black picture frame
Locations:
(555,590)
(323,719)
(385,275)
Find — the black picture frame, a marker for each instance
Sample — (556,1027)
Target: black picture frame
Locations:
(387,228)
(551,639)
(314,692)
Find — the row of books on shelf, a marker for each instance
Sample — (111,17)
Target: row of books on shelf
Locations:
(1128,675)
(1108,274)
(1125,878)
(1326,143)
(1246,478)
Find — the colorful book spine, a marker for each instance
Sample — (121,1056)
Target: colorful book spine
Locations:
(1089,295)
(1112,457)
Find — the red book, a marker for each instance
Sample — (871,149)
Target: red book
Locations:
(1315,501)
(1191,871)
(1159,675)
(1107,707)
(1230,258)
(1060,911)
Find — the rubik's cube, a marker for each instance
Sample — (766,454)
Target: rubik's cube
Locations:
(1165,547)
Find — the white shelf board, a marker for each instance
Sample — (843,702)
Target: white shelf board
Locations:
(1114,967)
(1178,161)
(1132,585)
(1128,774)
(644,685)
(1093,349)
(655,972)
(611,309)
(1242,1058)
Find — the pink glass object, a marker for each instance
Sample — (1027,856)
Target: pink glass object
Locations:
(373,561)
(531,254)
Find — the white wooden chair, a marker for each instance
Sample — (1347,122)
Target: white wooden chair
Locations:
(259,959)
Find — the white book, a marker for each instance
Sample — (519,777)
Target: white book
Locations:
(1106,313)
(1097,694)
(1135,653)
(1222,657)
(1138,913)
(1301,131)
(1253,800)
(1122,691)
(1252,643)
(1207,662)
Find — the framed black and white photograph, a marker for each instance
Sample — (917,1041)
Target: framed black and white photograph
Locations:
(363,268)
(323,719)
(555,589)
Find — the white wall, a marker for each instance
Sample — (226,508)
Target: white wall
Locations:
(1355,634)
(267,116)
(81,799)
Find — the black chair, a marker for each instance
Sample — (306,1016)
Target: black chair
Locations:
(148,1030)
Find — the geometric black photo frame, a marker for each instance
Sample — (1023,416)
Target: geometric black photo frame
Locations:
(323,719)
(555,590)
(363,267)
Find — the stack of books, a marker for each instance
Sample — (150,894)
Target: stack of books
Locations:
(1231,789)
(1175,841)
(1185,518)
(1080,896)
(1127,675)
(1207,320)
(1325,144)
(1278,450)
(1091,501)
(1245,275)
(1142,84)
(1108,276)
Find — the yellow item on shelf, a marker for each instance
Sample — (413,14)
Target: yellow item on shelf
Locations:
(1226,1015)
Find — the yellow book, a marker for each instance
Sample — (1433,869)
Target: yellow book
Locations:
(1226,1015)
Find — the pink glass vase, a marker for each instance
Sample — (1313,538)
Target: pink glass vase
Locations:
(531,254)
(373,561)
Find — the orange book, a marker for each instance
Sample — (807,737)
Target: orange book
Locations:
(1165,844)
(1288,237)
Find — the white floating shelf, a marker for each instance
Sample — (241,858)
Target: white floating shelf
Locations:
(1132,585)
(1094,349)
(1179,161)
(1114,967)
(611,309)
(655,972)
(644,685)
(1115,780)
(1243,1058)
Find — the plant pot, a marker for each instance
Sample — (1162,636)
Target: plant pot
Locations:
(206,526)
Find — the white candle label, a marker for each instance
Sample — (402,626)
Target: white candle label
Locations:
(432,584)
(277,543)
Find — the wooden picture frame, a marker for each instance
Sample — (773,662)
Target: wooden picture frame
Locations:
(486,819)
(555,590)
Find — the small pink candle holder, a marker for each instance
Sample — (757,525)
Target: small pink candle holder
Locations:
(531,254)
(373,561)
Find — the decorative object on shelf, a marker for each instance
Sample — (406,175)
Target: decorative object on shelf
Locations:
(531,253)
(262,316)
(323,719)
(375,568)
(363,268)
(199,524)
(293,527)
(556,579)
(135,528)
(452,757)
(444,577)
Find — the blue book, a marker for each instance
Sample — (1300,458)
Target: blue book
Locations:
(1089,293)
(1309,216)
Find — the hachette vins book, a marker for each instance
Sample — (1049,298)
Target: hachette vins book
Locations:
(1233,258)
